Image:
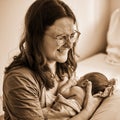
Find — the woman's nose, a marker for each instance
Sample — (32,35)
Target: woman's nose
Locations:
(68,44)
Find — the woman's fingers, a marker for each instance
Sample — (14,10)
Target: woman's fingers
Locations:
(108,92)
(91,102)
(89,88)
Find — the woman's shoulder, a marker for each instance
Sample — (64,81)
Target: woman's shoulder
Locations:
(20,71)
(21,75)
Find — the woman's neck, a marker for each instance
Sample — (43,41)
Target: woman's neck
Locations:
(52,66)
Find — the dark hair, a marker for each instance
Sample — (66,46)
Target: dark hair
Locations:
(99,81)
(40,15)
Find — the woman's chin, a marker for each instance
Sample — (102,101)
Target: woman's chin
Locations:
(62,60)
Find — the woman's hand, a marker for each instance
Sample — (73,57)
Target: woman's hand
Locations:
(91,102)
(107,92)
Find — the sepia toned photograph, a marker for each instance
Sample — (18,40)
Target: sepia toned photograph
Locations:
(59,59)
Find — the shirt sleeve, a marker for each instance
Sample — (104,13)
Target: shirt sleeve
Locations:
(21,98)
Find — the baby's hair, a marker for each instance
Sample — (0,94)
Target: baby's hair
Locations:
(99,81)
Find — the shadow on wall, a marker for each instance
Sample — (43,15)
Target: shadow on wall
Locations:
(93,35)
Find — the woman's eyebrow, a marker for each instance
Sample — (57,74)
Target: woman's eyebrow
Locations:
(61,34)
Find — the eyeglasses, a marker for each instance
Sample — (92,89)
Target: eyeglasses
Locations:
(62,39)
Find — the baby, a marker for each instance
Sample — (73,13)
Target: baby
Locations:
(99,82)
(71,99)
(99,85)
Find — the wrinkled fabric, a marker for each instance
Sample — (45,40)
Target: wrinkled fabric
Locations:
(25,98)
(22,96)
(59,109)
(62,109)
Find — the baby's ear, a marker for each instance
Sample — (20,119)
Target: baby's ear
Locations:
(82,82)
(112,81)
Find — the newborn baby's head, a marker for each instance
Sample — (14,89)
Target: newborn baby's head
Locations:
(99,81)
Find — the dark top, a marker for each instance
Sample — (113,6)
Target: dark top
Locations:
(22,96)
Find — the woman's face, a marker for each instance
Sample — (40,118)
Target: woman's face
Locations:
(54,49)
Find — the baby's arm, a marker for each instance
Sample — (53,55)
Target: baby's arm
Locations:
(65,89)
(66,84)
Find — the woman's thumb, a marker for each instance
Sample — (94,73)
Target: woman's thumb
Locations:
(89,88)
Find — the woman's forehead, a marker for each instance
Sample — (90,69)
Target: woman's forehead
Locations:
(63,25)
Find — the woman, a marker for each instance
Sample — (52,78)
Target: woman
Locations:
(46,59)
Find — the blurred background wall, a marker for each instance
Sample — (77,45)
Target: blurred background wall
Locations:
(93,20)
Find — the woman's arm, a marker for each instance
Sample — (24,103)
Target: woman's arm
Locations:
(90,105)
(21,98)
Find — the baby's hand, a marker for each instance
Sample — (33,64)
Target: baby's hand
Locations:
(72,82)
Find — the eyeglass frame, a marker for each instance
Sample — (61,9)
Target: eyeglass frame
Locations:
(66,37)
